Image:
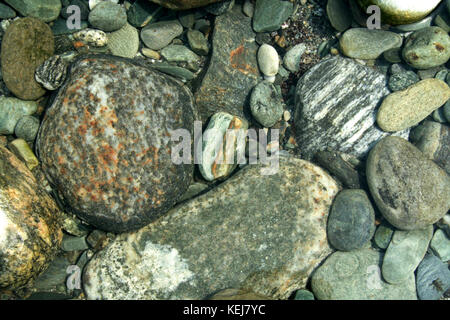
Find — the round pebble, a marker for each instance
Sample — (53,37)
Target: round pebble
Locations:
(108,16)
(27,128)
(268,60)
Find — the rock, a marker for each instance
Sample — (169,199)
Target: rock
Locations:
(395,12)
(408,189)
(424,23)
(344,120)
(142,12)
(304,295)
(179,53)
(23,151)
(44,10)
(233,69)
(187,18)
(438,115)
(404,253)
(351,222)
(268,60)
(434,142)
(292,58)
(6,12)
(160,34)
(27,43)
(52,73)
(270,14)
(404,109)
(447,111)
(402,80)
(124,174)
(82,4)
(149,53)
(278,237)
(53,278)
(383,235)
(27,128)
(108,16)
(59,27)
(237,294)
(440,244)
(433,278)
(442,20)
(124,42)
(356,275)
(198,42)
(194,190)
(248,8)
(92,37)
(429,73)
(94,3)
(222,151)
(427,48)
(339,14)
(70,243)
(362,43)
(30,232)
(266,104)
(220,7)
(393,55)
(177,72)
(184,4)
(11,110)
(444,224)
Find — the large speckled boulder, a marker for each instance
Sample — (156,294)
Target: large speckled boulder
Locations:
(30,232)
(263,233)
(105,142)
(183,4)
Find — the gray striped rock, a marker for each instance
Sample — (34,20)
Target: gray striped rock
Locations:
(336,104)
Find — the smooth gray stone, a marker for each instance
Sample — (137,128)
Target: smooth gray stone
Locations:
(108,16)
(304,295)
(433,278)
(11,110)
(27,128)
(6,12)
(270,14)
(339,14)
(175,71)
(383,235)
(426,22)
(45,10)
(160,34)
(440,244)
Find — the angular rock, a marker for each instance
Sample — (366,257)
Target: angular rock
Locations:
(160,34)
(260,232)
(52,73)
(270,14)
(105,142)
(11,110)
(45,10)
(198,42)
(233,69)
(292,58)
(408,189)
(356,276)
(179,53)
(30,232)
(336,103)
(433,278)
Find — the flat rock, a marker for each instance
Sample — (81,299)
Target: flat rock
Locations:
(263,233)
(408,189)
(184,4)
(124,42)
(105,142)
(336,103)
(11,110)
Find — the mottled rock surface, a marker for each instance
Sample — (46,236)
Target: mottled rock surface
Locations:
(30,232)
(183,4)
(263,233)
(105,142)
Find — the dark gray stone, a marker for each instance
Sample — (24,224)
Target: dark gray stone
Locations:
(27,128)
(383,235)
(433,278)
(402,80)
(108,16)
(339,14)
(266,104)
(52,73)
(82,4)
(220,8)
(160,34)
(270,14)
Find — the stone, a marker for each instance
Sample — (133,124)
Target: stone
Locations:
(356,275)
(442,20)
(52,73)
(237,294)
(82,4)
(383,235)
(270,14)
(6,12)
(27,43)
(248,8)
(404,253)
(11,110)
(179,53)
(124,177)
(124,42)
(408,189)
(187,18)
(108,16)
(351,223)
(395,12)
(440,244)
(447,111)
(142,12)
(221,149)
(344,120)
(403,109)
(177,72)
(402,80)
(198,42)
(393,55)
(362,43)
(233,70)
(438,115)
(94,3)
(278,238)
(292,58)
(339,15)
(427,48)
(266,104)
(44,10)
(429,73)
(184,4)
(27,128)
(70,243)
(444,224)
(59,27)
(149,53)
(160,34)
(433,278)
(426,22)
(194,190)
(268,60)
(53,277)
(30,232)
(434,142)
(92,37)
(220,7)
(23,152)
(304,295)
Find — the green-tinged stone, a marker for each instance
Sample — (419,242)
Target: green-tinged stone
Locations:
(158,35)
(442,20)
(60,27)
(6,12)
(266,104)
(70,243)
(11,110)
(23,151)
(108,16)
(175,71)
(393,55)
(304,295)
(440,244)
(270,14)
(198,42)
(27,128)
(45,10)
(178,53)
(402,80)
(187,18)
(142,12)
(383,235)
(339,14)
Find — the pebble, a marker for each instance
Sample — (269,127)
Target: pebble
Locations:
(447,111)
(93,3)
(149,53)
(266,104)
(238,294)
(179,53)
(426,22)
(351,223)
(23,151)
(404,253)
(44,10)
(70,243)
(143,12)
(221,152)
(160,34)
(92,37)
(124,42)
(442,20)
(6,12)
(270,14)
(175,71)
(52,73)
(393,55)
(220,7)
(444,224)
(433,278)
(268,60)
(108,16)
(427,48)
(11,110)
(82,4)
(438,115)
(248,8)
(198,42)
(409,190)
(362,43)
(187,19)
(402,80)
(403,109)
(429,73)
(440,244)
(184,4)
(303,295)
(293,56)
(27,128)
(383,235)
(27,43)
(339,14)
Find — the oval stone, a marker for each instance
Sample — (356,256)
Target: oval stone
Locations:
(27,43)
(184,4)
(105,142)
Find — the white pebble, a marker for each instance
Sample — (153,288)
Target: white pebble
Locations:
(268,60)
(92,37)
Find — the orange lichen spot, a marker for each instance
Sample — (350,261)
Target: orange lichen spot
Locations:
(61,160)
(82,130)
(108,155)
(66,101)
(237,61)
(79,44)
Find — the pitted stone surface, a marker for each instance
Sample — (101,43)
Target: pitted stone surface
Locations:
(105,142)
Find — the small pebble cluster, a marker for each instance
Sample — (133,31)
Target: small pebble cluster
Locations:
(357,207)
